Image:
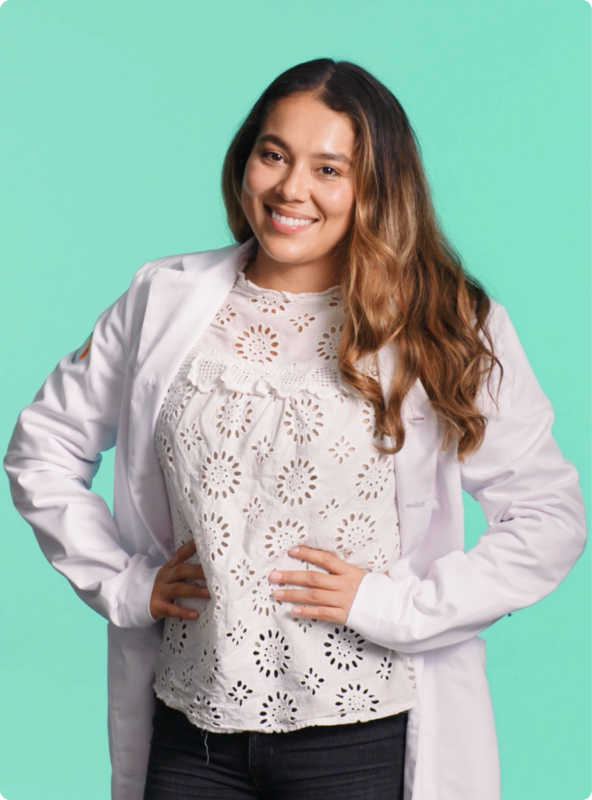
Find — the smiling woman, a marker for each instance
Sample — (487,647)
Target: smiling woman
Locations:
(298,194)
(303,408)
(346,158)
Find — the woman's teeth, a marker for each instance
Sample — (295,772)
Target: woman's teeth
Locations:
(290,221)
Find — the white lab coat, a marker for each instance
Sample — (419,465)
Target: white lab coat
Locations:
(433,603)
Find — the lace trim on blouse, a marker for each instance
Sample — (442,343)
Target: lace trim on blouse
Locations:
(207,370)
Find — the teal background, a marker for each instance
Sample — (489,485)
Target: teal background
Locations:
(114,119)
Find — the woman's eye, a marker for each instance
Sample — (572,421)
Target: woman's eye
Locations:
(271,154)
(332,171)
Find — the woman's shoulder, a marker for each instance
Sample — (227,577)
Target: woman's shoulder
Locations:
(197,261)
(501,327)
(497,317)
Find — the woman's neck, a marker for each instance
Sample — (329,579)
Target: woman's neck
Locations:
(269,274)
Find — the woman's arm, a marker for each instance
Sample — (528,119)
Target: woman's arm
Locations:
(55,452)
(536,531)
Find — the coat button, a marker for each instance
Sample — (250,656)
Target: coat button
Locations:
(153,550)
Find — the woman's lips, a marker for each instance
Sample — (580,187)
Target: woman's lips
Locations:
(281,227)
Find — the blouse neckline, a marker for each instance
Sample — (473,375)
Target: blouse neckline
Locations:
(248,287)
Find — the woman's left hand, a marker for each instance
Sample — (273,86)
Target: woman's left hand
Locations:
(329,597)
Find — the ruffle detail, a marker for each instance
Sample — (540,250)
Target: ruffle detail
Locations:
(246,286)
(207,370)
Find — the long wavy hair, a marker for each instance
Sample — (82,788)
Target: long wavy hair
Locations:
(402,281)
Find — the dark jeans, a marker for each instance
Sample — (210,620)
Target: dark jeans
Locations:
(359,761)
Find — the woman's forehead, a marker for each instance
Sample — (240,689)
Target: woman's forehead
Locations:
(304,121)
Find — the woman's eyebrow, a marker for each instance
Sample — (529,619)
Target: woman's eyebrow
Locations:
(271,137)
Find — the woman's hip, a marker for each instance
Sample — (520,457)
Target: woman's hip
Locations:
(351,761)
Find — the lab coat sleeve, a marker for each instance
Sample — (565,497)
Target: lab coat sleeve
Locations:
(54,453)
(531,499)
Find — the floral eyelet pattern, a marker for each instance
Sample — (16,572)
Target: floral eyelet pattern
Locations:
(409,669)
(296,482)
(187,676)
(175,634)
(328,344)
(278,708)
(220,474)
(373,477)
(342,449)
(234,416)
(272,654)
(263,446)
(176,401)
(262,599)
(344,648)
(270,304)
(164,451)
(243,572)
(166,679)
(354,532)
(304,623)
(209,663)
(369,419)
(215,589)
(303,419)
(202,708)
(284,534)
(225,315)
(262,449)
(259,343)
(215,535)
(237,634)
(253,510)
(190,437)
(353,697)
(326,511)
(379,561)
(302,321)
(385,669)
(240,693)
(183,532)
(204,621)
(311,681)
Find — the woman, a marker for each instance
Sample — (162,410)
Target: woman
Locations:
(291,610)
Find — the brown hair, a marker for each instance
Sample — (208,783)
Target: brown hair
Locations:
(402,281)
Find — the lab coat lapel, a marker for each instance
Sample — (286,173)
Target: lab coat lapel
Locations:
(416,463)
(180,306)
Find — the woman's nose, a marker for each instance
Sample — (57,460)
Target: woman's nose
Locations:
(294,184)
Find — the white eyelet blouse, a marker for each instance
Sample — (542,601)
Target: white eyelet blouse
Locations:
(263,446)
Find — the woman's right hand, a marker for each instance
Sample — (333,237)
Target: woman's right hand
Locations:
(169,584)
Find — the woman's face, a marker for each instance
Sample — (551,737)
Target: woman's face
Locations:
(298,189)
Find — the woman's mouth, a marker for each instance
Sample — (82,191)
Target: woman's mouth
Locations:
(285,224)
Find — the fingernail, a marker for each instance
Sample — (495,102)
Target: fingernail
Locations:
(296,610)
(294,550)
(193,614)
(275,575)
(279,593)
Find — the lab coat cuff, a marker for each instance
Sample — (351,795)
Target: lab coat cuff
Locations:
(134,597)
(373,609)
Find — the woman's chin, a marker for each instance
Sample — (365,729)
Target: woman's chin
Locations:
(289,252)
(294,249)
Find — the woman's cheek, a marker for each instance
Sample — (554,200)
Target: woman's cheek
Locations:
(254,180)
(339,203)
